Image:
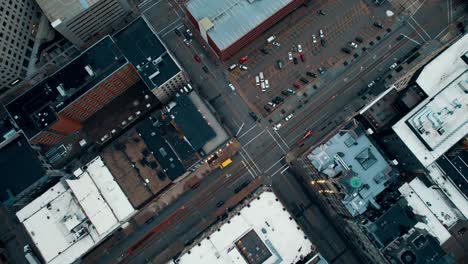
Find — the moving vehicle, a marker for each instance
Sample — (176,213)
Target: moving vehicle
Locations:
(393,66)
(220,203)
(371,84)
(290,57)
(232,87)
(177,32)
(225,163)
(205,69)
(197,58)
(307,134)
(195,185)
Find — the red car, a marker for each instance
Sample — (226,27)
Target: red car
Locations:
(302,57)
(243,59)
(197,58)
(297,85)
(307,134)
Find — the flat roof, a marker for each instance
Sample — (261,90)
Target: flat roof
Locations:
(191,122)
(232,19)
(438,122)
(145,51)
(444,68)
(264,219)
(74,215)
(364,170)
(37,108)
(456,168)
(62,11)
(429,203)
(16,177)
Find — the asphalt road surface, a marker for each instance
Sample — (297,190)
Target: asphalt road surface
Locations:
(263,148)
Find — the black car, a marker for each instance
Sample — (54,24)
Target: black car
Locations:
(322,12)
(304,80)
(322,70)
(277,100)
(363,91)
(267,108)
(359,39)
(264,51)
(346,50)
(323,43)
(205,69)
(285,93)
(177,32)
(295,60)
(220,203)
(253,115)
(311,74)
(378,24)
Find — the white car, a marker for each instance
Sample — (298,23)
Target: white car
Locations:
(271,104)
(299,48)
(290,57)
(314,39)
(352,45)
(393,66)
(321,34)
(371,84)
(276,44)
(186,42)
(243,67)
(288,117)
(267,84)
(277,126)
(232,87)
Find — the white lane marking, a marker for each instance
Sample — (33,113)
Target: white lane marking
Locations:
(285,169)
(246,162)
(172,29)
(281,138)
(166,27)
(274,164)
(282,169)
(250,157)
(421,27)
(243,162)
(410,39)
(157,2)
(240,128)
(418,8)
(417,32)
(276,141)
(248,130)
(259,134)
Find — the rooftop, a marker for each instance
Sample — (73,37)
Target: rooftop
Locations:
(429,203)
(63,11)
(261,233)
(438,122)
(417,247)
(76,214)
(146,52)
(362,169)
(395,222)
(232,19)
(446,67)
(456,168)
(37,108)
(16,177)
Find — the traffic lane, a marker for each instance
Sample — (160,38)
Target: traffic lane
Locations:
(310,217)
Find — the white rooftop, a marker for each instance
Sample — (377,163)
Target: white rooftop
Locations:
(444,68)
(76,214)
(267,219)
(438,122)
(232,19)
(429,203)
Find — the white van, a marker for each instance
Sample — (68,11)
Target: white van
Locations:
(263,87)
(233,67)
(257,80)
(267,85)
(261,76)
(243,67)
(232,87)
(271,39)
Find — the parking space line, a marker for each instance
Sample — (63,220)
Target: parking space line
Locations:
(276,141)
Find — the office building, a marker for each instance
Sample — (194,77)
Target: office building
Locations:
(18,25)
(83,22)
(226,26)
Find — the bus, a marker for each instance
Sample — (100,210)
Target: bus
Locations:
(225,163)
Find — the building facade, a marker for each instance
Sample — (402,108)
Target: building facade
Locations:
(81,22)
(18,22)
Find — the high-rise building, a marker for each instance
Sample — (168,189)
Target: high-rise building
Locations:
(82,21)
(18,22)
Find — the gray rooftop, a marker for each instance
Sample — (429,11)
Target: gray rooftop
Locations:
(232,19)
(64,10)
(351,158)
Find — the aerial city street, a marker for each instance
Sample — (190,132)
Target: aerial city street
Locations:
(233,131)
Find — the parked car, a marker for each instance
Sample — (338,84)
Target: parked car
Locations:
(378,24)
(321,34)
(346,50)
(290,56)
(323,43)
(253,115)
(304,80)
(302,57)
(295,60)
(322,12)
(177,32)
(205,69)
(299,48)
(280,64)
(288,117)
(271,104)
(359,39)
(220,203)
(285,92)
(371,84)
(297,85)
(311,74)
(291,91)
(232,86)
(352,45)
(393,66)
(314,39)
(264,51)
(277,126)
(267,108)
(322,70)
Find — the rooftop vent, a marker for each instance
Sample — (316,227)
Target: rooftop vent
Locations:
(89,70)
(61,90)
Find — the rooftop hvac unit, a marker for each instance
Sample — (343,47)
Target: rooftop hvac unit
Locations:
(89,70)
(61,90)
(157,60)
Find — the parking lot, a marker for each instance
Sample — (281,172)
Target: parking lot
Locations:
(342,21)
